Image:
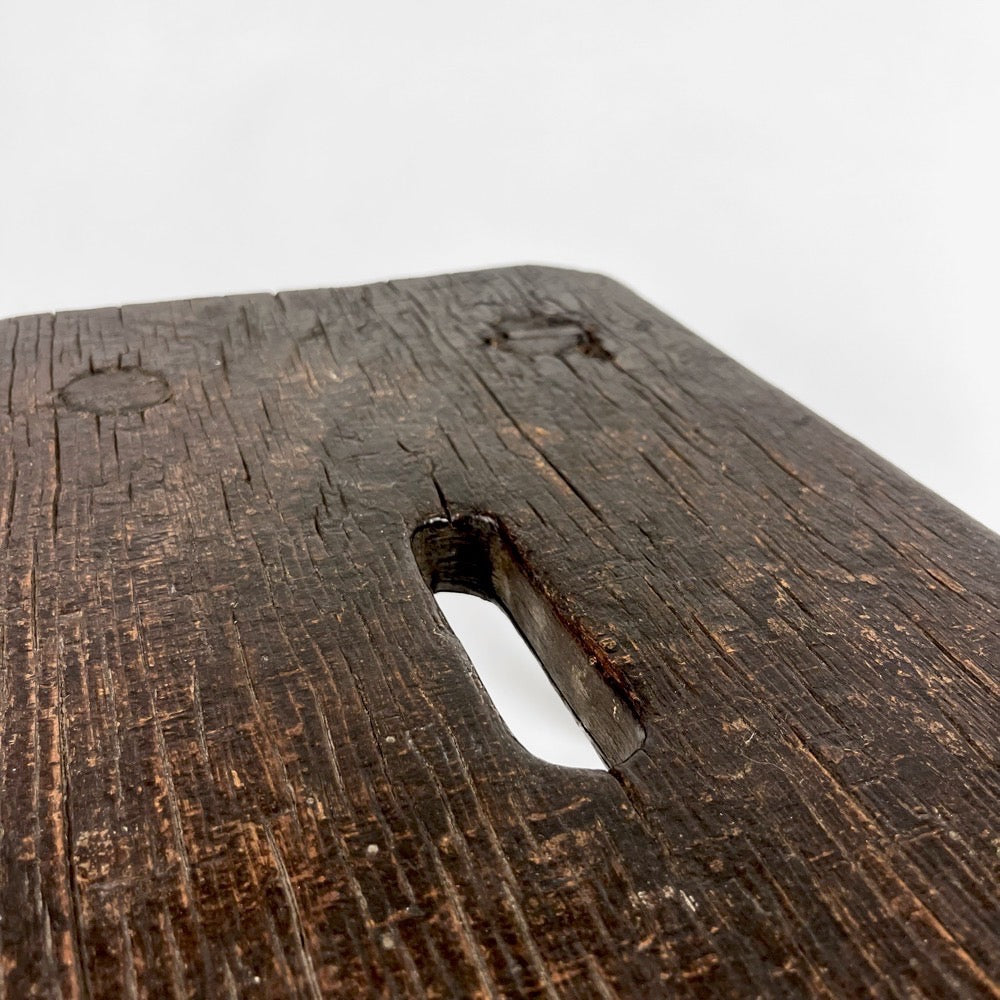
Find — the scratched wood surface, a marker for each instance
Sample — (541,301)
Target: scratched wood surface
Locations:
(244,756)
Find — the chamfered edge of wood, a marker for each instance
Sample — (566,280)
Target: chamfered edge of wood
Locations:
(442,279)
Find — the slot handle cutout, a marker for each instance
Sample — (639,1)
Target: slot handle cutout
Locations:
(473,555)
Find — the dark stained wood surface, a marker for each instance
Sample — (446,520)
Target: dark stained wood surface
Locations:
(243,755)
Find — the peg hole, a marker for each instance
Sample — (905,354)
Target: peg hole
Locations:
(559,335)
(115,390)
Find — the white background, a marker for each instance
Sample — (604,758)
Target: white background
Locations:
(813,187)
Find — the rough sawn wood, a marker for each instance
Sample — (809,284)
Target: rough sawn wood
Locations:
(243,755)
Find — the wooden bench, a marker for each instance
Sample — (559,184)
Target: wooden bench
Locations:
(244,756)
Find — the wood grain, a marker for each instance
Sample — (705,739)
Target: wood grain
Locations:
(244,756)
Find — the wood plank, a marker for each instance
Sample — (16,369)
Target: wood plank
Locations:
(243,754)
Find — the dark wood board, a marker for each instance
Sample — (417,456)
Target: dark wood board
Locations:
(244,756)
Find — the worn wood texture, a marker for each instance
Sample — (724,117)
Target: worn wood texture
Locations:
(243,755)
